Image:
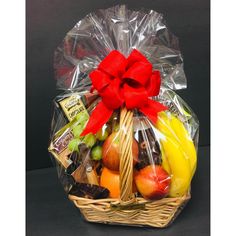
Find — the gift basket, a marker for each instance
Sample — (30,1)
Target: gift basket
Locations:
(124,143)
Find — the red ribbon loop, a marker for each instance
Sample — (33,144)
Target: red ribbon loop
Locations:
(154,84)
(134,97)
(114,64)
(103,81)
(112,95)
(139,71)
(120,81)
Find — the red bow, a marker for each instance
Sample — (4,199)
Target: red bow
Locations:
(120,81)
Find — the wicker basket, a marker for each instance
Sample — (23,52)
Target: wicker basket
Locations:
(129,210)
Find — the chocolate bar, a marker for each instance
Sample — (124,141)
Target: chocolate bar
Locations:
(89,191)
(72,105)
(59,145)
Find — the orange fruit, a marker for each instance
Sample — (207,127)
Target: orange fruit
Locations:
(111,180)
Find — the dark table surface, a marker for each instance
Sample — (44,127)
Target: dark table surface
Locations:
(49,212)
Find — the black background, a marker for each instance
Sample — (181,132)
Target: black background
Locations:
(46,25)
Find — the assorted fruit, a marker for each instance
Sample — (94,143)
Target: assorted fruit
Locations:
(110,152)
(153,182)
(164,158)
(111,180)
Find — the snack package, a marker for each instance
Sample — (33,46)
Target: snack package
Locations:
(119,130)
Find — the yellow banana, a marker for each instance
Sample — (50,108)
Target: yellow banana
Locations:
(164,124)
(179,153)
(179,167)
(185,141)
(165,164)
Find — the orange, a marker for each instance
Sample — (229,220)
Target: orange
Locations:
(111,180)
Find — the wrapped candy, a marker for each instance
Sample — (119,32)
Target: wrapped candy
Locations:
(124,142)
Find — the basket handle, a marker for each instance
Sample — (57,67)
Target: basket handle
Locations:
(126,156)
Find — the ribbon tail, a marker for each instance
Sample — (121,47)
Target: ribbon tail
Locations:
(151,110)
(98,118)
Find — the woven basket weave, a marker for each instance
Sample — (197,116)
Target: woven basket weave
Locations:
(128,209)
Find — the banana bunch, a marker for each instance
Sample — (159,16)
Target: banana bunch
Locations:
(179,156)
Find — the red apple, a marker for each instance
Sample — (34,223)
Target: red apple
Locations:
(110,152)
(153,182)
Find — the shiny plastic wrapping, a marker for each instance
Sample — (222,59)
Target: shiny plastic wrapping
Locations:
(100,32)
(164,152)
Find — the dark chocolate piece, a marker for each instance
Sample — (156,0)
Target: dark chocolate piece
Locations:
(149,149)
(89,191)
(66,179)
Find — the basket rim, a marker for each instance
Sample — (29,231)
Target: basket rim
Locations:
(139,199)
